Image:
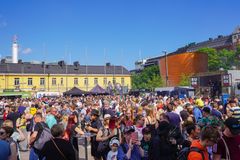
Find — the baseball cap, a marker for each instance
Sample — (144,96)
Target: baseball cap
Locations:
(107,116)
(128,129)
(114,141)
(233,124)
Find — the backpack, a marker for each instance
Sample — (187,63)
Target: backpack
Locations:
(183,154)
(45,135)
(10,141)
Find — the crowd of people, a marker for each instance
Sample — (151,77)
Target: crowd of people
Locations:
(126,127)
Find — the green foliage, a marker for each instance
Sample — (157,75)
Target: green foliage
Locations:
(222,58)
(149,78)
(184,80)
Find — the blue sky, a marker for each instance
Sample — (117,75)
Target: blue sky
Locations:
(116,31)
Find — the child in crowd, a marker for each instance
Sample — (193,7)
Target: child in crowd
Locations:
(112,154)
(145,142)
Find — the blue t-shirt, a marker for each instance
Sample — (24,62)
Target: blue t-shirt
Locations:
(5,151)
(135,154)
(50,120)
(197,114)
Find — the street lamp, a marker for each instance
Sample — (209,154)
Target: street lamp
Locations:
(166,67)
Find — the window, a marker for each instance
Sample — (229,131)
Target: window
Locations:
(122,81)
(30,83)
(16,81)
(61,81)
(95,81)
(105,81)
(114,80)
(75,81)
(54,81)
(42,81)
(85,81)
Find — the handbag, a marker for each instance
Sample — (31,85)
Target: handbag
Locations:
(103,145)
(59,150)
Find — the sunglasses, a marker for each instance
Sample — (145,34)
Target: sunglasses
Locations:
(2,133)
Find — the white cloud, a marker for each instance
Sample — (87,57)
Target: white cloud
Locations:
(27,51)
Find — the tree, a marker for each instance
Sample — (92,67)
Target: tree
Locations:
(224,58)
(184,80)
(148,78)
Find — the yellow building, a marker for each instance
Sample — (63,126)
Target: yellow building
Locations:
(60,77)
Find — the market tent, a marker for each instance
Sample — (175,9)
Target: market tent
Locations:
(98,90)
(75,92)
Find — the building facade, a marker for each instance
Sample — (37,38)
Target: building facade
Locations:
(173,66)
(187,61)
(60,77)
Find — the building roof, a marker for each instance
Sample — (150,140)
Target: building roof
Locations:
(221,41)
(28,68)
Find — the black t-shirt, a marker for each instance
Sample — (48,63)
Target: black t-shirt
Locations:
(13,117)
(96,124)
(51,152)
(73,133)
(94,144)
(73,139)
(161,149)
(39,126)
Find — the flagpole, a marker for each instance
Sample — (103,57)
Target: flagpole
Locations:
(105,69)
(86,50)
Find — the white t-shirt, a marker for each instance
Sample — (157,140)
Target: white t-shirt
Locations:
(178,109)
(139,131)
(112,155)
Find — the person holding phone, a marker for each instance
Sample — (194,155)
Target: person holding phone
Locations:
(130,147)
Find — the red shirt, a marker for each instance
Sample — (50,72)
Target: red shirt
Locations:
(129,123)
(5,114)
(233,144)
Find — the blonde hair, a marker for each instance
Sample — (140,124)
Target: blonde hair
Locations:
(65,118)
(8,123)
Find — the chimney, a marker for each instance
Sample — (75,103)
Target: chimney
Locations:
(61,63)
(43,64)
(3,61)
(76,63)
(19,61)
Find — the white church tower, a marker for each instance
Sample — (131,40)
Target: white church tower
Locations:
(14,50)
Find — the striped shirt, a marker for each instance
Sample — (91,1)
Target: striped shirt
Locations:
(235,112)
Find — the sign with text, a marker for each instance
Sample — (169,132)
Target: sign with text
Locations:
(194,82)
(226,80)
